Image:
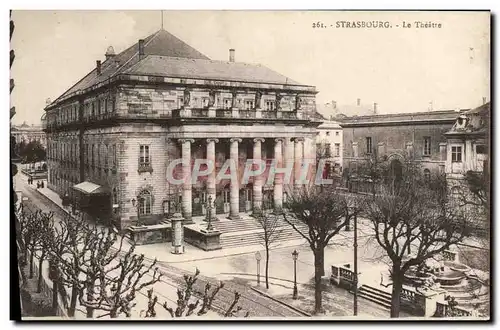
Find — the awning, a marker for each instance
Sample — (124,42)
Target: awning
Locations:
(90,188)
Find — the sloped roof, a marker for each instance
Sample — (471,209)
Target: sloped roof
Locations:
(159,43)
(207,69)
(166,55)
(348,110)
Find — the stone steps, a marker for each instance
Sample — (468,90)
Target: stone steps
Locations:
(255,237)
(377,296)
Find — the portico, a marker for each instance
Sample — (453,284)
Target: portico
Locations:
(262,187)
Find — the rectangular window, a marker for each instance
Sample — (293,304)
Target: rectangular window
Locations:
(248,105)
(227,103)
(180,102)
(368,145)
(456,154)
(204,102)
(427,145)
(337,133)
(480,149)
(269,105)
(92,154)
(337,149)
(144,155)
(113,153)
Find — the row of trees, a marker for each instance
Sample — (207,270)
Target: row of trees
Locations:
(100,274)
(411,219)
(31,152)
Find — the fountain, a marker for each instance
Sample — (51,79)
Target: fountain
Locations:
(459,280)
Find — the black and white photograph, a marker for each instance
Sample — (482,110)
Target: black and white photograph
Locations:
(250,165)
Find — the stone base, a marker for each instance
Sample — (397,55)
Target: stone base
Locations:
(177,249)
(203,239)
(141,235)
(234,217)
(215,219)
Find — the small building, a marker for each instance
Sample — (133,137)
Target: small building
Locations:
(28,133)
(329,146)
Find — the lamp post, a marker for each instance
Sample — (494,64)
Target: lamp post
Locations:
(209,214)
(295,256)
(258,258)
(139,203)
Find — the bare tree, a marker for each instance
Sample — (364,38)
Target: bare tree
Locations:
(324,211)
(185,306)
(269,221)
(413,212)
(72,237)
(45,239)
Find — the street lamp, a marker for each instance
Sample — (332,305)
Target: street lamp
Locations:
(258,258)
(209,209)
(140,200)
(295,256)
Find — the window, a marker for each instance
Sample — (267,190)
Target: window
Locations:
(368,145)
(456,154)
(427,145)
(227,103)
(93,109)
(180,102)
(92,155)
(337,149)
(105,156)
(337,133)
(226,196)
(480,149)
(427,174)
(248,104)
(145,202)
(113,154)
(144,155)
(115,196)
(269,105)
(204,102)
(327,133)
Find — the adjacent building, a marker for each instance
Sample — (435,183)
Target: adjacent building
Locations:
(467,147)
(329,146)
(112,136)
(393,138)
(28,133)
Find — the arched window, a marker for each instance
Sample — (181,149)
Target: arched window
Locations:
(427,175)
(145,202)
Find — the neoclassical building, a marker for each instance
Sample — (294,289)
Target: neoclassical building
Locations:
(28,133)
(112,136)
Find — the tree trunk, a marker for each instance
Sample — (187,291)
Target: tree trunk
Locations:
(112,314)
(397,286)
(318,271)
(40,271)
(267,267)
(321,261)
(32,256)
(55,290)
(74,297)
(90,299)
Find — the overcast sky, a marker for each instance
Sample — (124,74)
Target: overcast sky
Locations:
(402,69)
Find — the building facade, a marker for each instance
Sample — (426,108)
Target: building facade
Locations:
(396,137)
(114,136)
(28,133)
(329,146)
(467,149)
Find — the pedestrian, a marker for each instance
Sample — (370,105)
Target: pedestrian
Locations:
(42,184)
(38,185)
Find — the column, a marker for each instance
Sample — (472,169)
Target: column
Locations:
(299,155)
(211,176)
(234,198)
(468,160)
(289,159)
(278,178)
(186,174)
(257,183)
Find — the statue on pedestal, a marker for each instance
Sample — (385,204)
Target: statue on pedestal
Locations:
(298,102)
(211,100)
(258,99)
(234,103)
(187,98)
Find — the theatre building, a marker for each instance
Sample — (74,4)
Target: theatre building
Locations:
(112,136)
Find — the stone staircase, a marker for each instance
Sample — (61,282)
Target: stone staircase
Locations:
(377,296)
(247,231)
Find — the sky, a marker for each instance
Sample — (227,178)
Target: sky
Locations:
(401,69)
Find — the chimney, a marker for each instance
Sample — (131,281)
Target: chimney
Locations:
(375,108)
(98,67)
(484,99)
(358,102)
(141,47)
(110,53)
(231,55)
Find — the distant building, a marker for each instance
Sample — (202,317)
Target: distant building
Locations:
(395,137)
(334,111)
(28,133)
(329,146)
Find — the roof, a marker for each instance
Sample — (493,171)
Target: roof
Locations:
(206,69)
(328,110)
(482,110)
(89,188)
(443,115)
(166,55)
(473,122)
